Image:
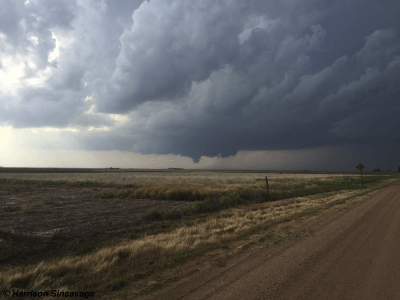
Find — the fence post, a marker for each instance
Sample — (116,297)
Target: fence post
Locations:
(362,183)
(266,180)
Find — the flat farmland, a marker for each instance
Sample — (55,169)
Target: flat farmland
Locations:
(59,226)
(30,214)
(162,176)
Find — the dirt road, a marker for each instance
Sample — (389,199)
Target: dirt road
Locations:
(352,254)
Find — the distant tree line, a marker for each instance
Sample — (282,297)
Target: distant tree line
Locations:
(389,170)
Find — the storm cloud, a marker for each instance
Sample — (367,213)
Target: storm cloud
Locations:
(207,78)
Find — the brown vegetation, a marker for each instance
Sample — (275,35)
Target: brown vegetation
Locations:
(133,261)
(161,176)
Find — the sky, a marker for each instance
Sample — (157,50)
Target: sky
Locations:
(211,84)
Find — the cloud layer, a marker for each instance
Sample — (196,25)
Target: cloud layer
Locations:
(204,78)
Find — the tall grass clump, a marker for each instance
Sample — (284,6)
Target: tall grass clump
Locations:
(154,214)
(172,214)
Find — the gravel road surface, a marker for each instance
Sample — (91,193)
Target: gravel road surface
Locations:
(352,254)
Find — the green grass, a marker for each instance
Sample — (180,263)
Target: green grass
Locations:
(116,283)
(181,255)
(337,202)
(172,214)
(55,235)
(290,235)
(133,236)
(27,208)
(106,195)
(206,206)
(123,194)
(79,249)
(154,214)
(3,245)
(207,245)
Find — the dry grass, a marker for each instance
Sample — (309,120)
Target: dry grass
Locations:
(153,177)
(130,260)
(225,195)
(181,191)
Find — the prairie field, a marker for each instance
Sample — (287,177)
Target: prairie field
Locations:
(125,234)
(162,176)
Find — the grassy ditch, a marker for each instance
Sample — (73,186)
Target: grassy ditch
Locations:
(132,261)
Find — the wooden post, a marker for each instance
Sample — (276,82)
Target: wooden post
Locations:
(362,184)
(266,180)
(361,167)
